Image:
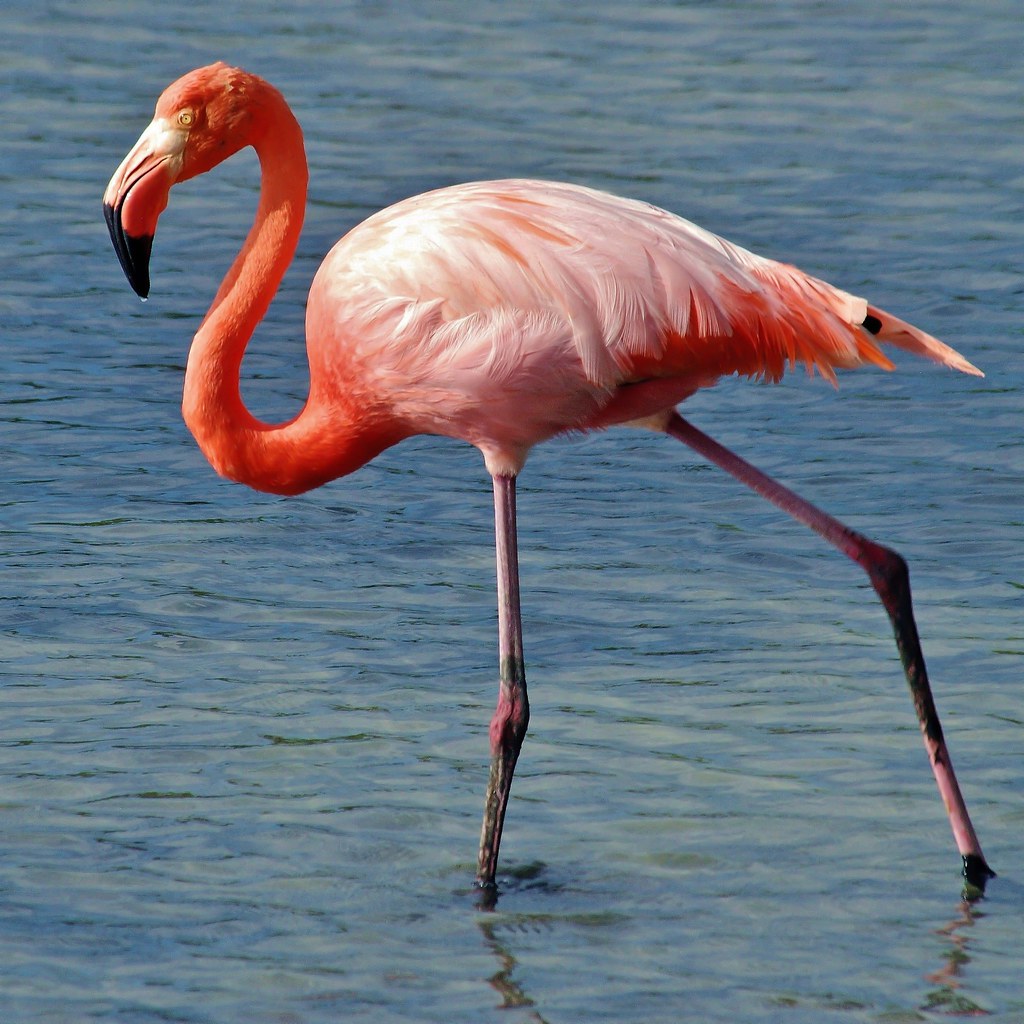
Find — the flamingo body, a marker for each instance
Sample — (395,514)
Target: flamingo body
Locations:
(501,313)
(505,312)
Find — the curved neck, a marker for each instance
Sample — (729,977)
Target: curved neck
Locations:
(326,440)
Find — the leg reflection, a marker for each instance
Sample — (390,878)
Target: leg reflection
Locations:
(948,998)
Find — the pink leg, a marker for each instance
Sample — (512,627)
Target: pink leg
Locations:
(891,580)
(508,727)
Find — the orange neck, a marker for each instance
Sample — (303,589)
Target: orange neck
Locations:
(327,439)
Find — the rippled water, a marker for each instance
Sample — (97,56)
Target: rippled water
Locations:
(243,739)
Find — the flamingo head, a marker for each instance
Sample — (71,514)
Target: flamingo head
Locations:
(202,119)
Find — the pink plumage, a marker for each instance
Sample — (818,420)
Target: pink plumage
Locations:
(527,306)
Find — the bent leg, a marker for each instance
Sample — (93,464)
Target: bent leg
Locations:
(889,576)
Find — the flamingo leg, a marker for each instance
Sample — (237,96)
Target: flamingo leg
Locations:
(512,716)
(889,576)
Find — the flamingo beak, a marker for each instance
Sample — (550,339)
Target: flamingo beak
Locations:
(137,195)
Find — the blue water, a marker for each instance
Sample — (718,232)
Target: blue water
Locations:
(243,739)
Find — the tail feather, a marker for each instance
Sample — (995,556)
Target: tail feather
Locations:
(827,328)
(893,331)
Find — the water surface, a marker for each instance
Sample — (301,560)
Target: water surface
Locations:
(243,738)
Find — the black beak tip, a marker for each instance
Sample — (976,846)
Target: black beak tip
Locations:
(132,251)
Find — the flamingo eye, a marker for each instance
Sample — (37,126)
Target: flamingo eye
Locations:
(186,118)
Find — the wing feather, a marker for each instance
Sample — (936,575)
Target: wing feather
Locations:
(642,293)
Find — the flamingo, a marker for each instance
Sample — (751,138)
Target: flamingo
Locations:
(501,313)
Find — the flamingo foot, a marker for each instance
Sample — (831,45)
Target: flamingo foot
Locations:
(976,873)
